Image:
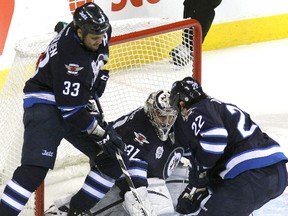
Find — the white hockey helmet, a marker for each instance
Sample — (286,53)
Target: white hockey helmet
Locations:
(160,113)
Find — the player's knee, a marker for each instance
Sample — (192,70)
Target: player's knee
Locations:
(107,165)
(30,177)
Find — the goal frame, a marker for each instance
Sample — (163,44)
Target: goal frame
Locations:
(197,65)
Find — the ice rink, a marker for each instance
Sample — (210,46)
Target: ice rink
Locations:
(254,78)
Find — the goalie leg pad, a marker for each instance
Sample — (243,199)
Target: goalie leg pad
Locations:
(160,197)
(94,188)
(133,207)
(111,204)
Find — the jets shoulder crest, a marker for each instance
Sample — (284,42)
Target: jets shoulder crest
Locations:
(73,69)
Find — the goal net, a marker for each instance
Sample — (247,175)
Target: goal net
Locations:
(140,62)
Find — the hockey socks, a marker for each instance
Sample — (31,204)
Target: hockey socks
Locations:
(13,199)
(95,187)
(25,180)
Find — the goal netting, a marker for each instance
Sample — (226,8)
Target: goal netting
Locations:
(140,62)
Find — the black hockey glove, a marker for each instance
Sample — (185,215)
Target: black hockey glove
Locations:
(190,200)
(101,82)
(110,141)
(59,26)
(197,174)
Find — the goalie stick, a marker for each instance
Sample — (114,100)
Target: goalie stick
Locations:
(123,166)
(130,182)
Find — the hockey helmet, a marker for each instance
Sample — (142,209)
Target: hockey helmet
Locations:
(160,113)
(90,18)
(188,90)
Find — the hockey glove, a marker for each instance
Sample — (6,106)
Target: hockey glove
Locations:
(190,200)
(101,82)
(59,26)
(197,174)
(110,141)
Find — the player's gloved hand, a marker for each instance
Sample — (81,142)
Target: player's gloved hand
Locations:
(59,26)
(101,82)
(192,200)
(197,174)
(92,106)
(94,111)
(110,141)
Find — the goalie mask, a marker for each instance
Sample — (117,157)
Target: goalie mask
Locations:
(90,18)
(160,113)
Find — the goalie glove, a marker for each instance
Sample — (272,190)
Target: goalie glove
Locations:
(192,200)
(133,207)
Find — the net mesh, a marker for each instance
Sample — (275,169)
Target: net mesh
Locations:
(136,67)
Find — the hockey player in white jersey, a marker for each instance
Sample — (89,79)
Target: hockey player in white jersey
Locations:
(153,154)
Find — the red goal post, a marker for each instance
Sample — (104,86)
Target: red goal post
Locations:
(139,63)
(196,38)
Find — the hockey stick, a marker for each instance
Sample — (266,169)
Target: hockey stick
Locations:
(101,113)
(130,182)
(123,166)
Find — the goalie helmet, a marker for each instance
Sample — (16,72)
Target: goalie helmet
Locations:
(160,113)
(188,90)
(90,18)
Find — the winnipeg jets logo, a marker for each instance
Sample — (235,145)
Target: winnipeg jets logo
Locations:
(172,161)
(47,153)
(159,152)
(73,69)
(194,84)
(140,138)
